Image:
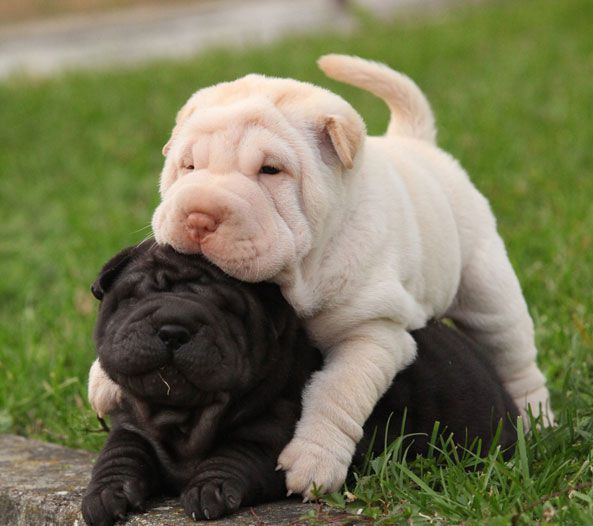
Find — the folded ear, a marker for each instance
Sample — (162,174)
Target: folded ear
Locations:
(182,115)
(113,268)
(346,135)
(167,147)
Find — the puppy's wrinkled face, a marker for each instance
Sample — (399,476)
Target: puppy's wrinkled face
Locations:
(252,170)
(175,330)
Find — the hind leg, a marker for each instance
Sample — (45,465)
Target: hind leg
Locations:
(490,308)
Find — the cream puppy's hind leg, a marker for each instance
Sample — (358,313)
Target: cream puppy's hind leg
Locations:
(337,402)
(490,305)
(490,308)
(104,394)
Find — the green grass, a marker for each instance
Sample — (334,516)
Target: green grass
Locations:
(512,86)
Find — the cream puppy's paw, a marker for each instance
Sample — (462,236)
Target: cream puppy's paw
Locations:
(310,466)
(530,394)
(538,403)
(104,394)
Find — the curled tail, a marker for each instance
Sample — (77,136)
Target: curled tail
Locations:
(410,111)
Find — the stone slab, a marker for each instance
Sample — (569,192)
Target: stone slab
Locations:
(42,484)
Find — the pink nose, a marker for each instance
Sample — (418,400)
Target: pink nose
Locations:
(199,225)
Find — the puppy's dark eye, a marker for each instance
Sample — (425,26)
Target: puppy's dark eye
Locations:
(269,170)
(189,167)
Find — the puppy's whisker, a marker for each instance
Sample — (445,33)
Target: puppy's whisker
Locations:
(143,228)
(153,246)
(257,273)
(165,382)
(146,238)
(251,265)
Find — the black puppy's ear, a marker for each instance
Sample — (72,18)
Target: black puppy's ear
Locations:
(113,268)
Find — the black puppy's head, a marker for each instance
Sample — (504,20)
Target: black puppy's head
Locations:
(174,329)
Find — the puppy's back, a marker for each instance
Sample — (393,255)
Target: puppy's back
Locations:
(451,382)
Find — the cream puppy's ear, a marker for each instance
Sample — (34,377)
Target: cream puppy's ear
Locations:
(182,115)
(346,136)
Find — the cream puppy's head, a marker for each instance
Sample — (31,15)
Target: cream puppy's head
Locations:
(252,169)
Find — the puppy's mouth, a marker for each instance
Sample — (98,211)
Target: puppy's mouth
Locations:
(166,385)
(171,365)
(243,243)
(247,261)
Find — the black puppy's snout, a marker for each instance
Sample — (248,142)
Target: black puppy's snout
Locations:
(173,336)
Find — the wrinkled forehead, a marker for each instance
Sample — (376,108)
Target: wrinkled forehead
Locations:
(244,132)
(163,261)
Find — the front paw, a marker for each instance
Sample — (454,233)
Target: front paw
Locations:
(105,504)
(311,468)
(212,498)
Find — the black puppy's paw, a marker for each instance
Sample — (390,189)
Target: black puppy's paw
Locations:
(105,504)
(212,498)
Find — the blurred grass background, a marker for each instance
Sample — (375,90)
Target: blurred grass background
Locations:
(511,84)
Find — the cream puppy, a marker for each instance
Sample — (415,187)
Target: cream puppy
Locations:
(369,237)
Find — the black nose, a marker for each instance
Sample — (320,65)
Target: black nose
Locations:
(173,336)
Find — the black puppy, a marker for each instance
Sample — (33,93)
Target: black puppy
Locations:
(212,371)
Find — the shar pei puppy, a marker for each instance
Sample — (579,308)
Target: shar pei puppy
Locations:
(210,372)
(369,238)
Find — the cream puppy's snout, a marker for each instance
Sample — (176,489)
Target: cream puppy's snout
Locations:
(230,219)
(197,209)
(199,225)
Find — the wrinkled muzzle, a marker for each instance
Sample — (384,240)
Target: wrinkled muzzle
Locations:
(174,349)
(230,220)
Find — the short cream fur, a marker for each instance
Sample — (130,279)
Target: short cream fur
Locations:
(369,237)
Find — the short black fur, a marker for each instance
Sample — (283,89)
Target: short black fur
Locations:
(212,371)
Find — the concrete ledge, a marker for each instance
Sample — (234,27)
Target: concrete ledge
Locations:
(42,484)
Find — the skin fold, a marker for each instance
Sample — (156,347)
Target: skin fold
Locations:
(211,373)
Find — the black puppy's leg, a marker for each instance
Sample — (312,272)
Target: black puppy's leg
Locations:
(242,470)
(123,478)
